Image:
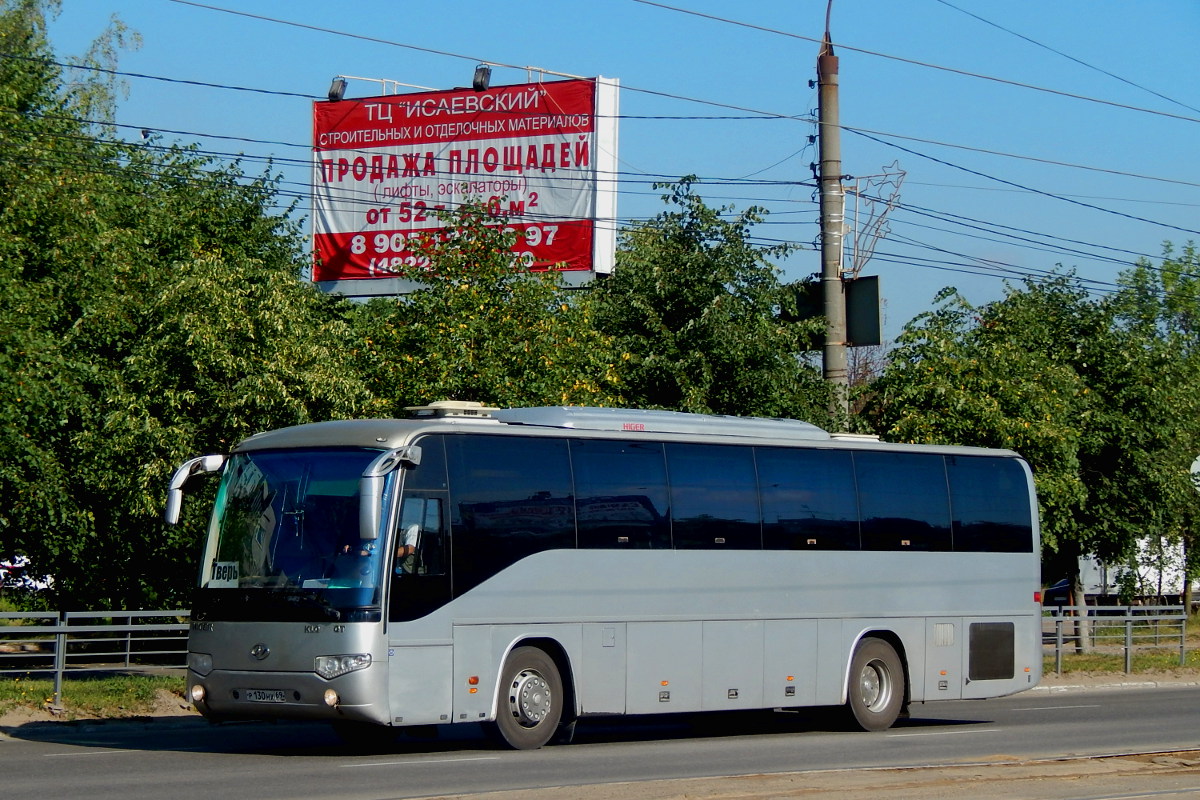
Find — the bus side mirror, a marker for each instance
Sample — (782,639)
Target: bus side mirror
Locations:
(195,466)
(370,487)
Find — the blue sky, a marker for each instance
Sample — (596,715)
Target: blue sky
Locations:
(1123,98)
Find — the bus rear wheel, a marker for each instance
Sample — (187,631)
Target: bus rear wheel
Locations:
(876,691)
(531,697)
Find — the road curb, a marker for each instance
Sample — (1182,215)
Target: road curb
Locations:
(1082,687)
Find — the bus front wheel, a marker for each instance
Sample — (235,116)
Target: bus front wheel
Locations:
(531,697)
(876,690)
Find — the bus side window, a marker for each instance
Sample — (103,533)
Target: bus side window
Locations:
(808,497)
(621,494)
(510,497)
(904,501)
(714,497)
(431,549)
(421,529)
(990,499)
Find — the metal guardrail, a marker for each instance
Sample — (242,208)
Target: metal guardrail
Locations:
(77,642)
(1114,628)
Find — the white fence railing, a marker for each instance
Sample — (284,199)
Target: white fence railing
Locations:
(81,642)
(1112,629)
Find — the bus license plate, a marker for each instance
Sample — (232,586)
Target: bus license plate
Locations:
(263,695)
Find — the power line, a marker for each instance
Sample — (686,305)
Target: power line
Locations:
(1052,195)
(759,116)
(184,81)
(449,54)
(971,269)
(303,192)
(990,152)
(913,62)
(1028,244)
(298,162)
(977,266)
(568,174)
(275,186)
(1080,62)
(754,116)
(1033,243)
(306,163)
(1017,233)
(968,187)
(1001,266)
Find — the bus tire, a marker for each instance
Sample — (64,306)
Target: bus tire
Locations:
(530,700)
(876,688)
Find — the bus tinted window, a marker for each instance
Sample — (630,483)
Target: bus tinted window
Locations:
(808,499)
(714,497)
(904,501)
(421,578)
(425,500)
(621,494)
(990,499)
(430,475)
(510,497)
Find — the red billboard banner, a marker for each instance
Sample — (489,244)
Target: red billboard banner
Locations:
(541,155)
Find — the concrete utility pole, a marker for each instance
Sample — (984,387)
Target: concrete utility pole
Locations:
(833,217)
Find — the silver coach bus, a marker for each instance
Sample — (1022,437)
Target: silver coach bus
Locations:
(526,567)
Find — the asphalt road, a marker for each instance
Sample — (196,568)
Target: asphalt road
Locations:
(189,759)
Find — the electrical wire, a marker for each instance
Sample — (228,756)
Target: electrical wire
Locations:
(990,152)
(303,193)
(1017,233)
(914,62)
(1078,61)
(1041,192)
(758,115)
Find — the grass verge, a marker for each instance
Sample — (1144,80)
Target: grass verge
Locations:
(1107,655)
(1157,661)
(107,696)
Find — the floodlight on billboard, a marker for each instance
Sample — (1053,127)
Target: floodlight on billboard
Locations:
(387,170)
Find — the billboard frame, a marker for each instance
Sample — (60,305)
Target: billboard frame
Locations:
(345,164)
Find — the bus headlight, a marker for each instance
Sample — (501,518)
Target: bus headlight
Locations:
(330,667)
(200,663)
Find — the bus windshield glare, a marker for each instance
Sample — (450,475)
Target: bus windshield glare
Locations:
(289,520)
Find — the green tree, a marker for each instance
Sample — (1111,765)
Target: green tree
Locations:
(1048,372)
(41,391)
(700,310)
(483,329)
(149,310)
(1161,307)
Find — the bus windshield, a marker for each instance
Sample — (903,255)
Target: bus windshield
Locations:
(288,521)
